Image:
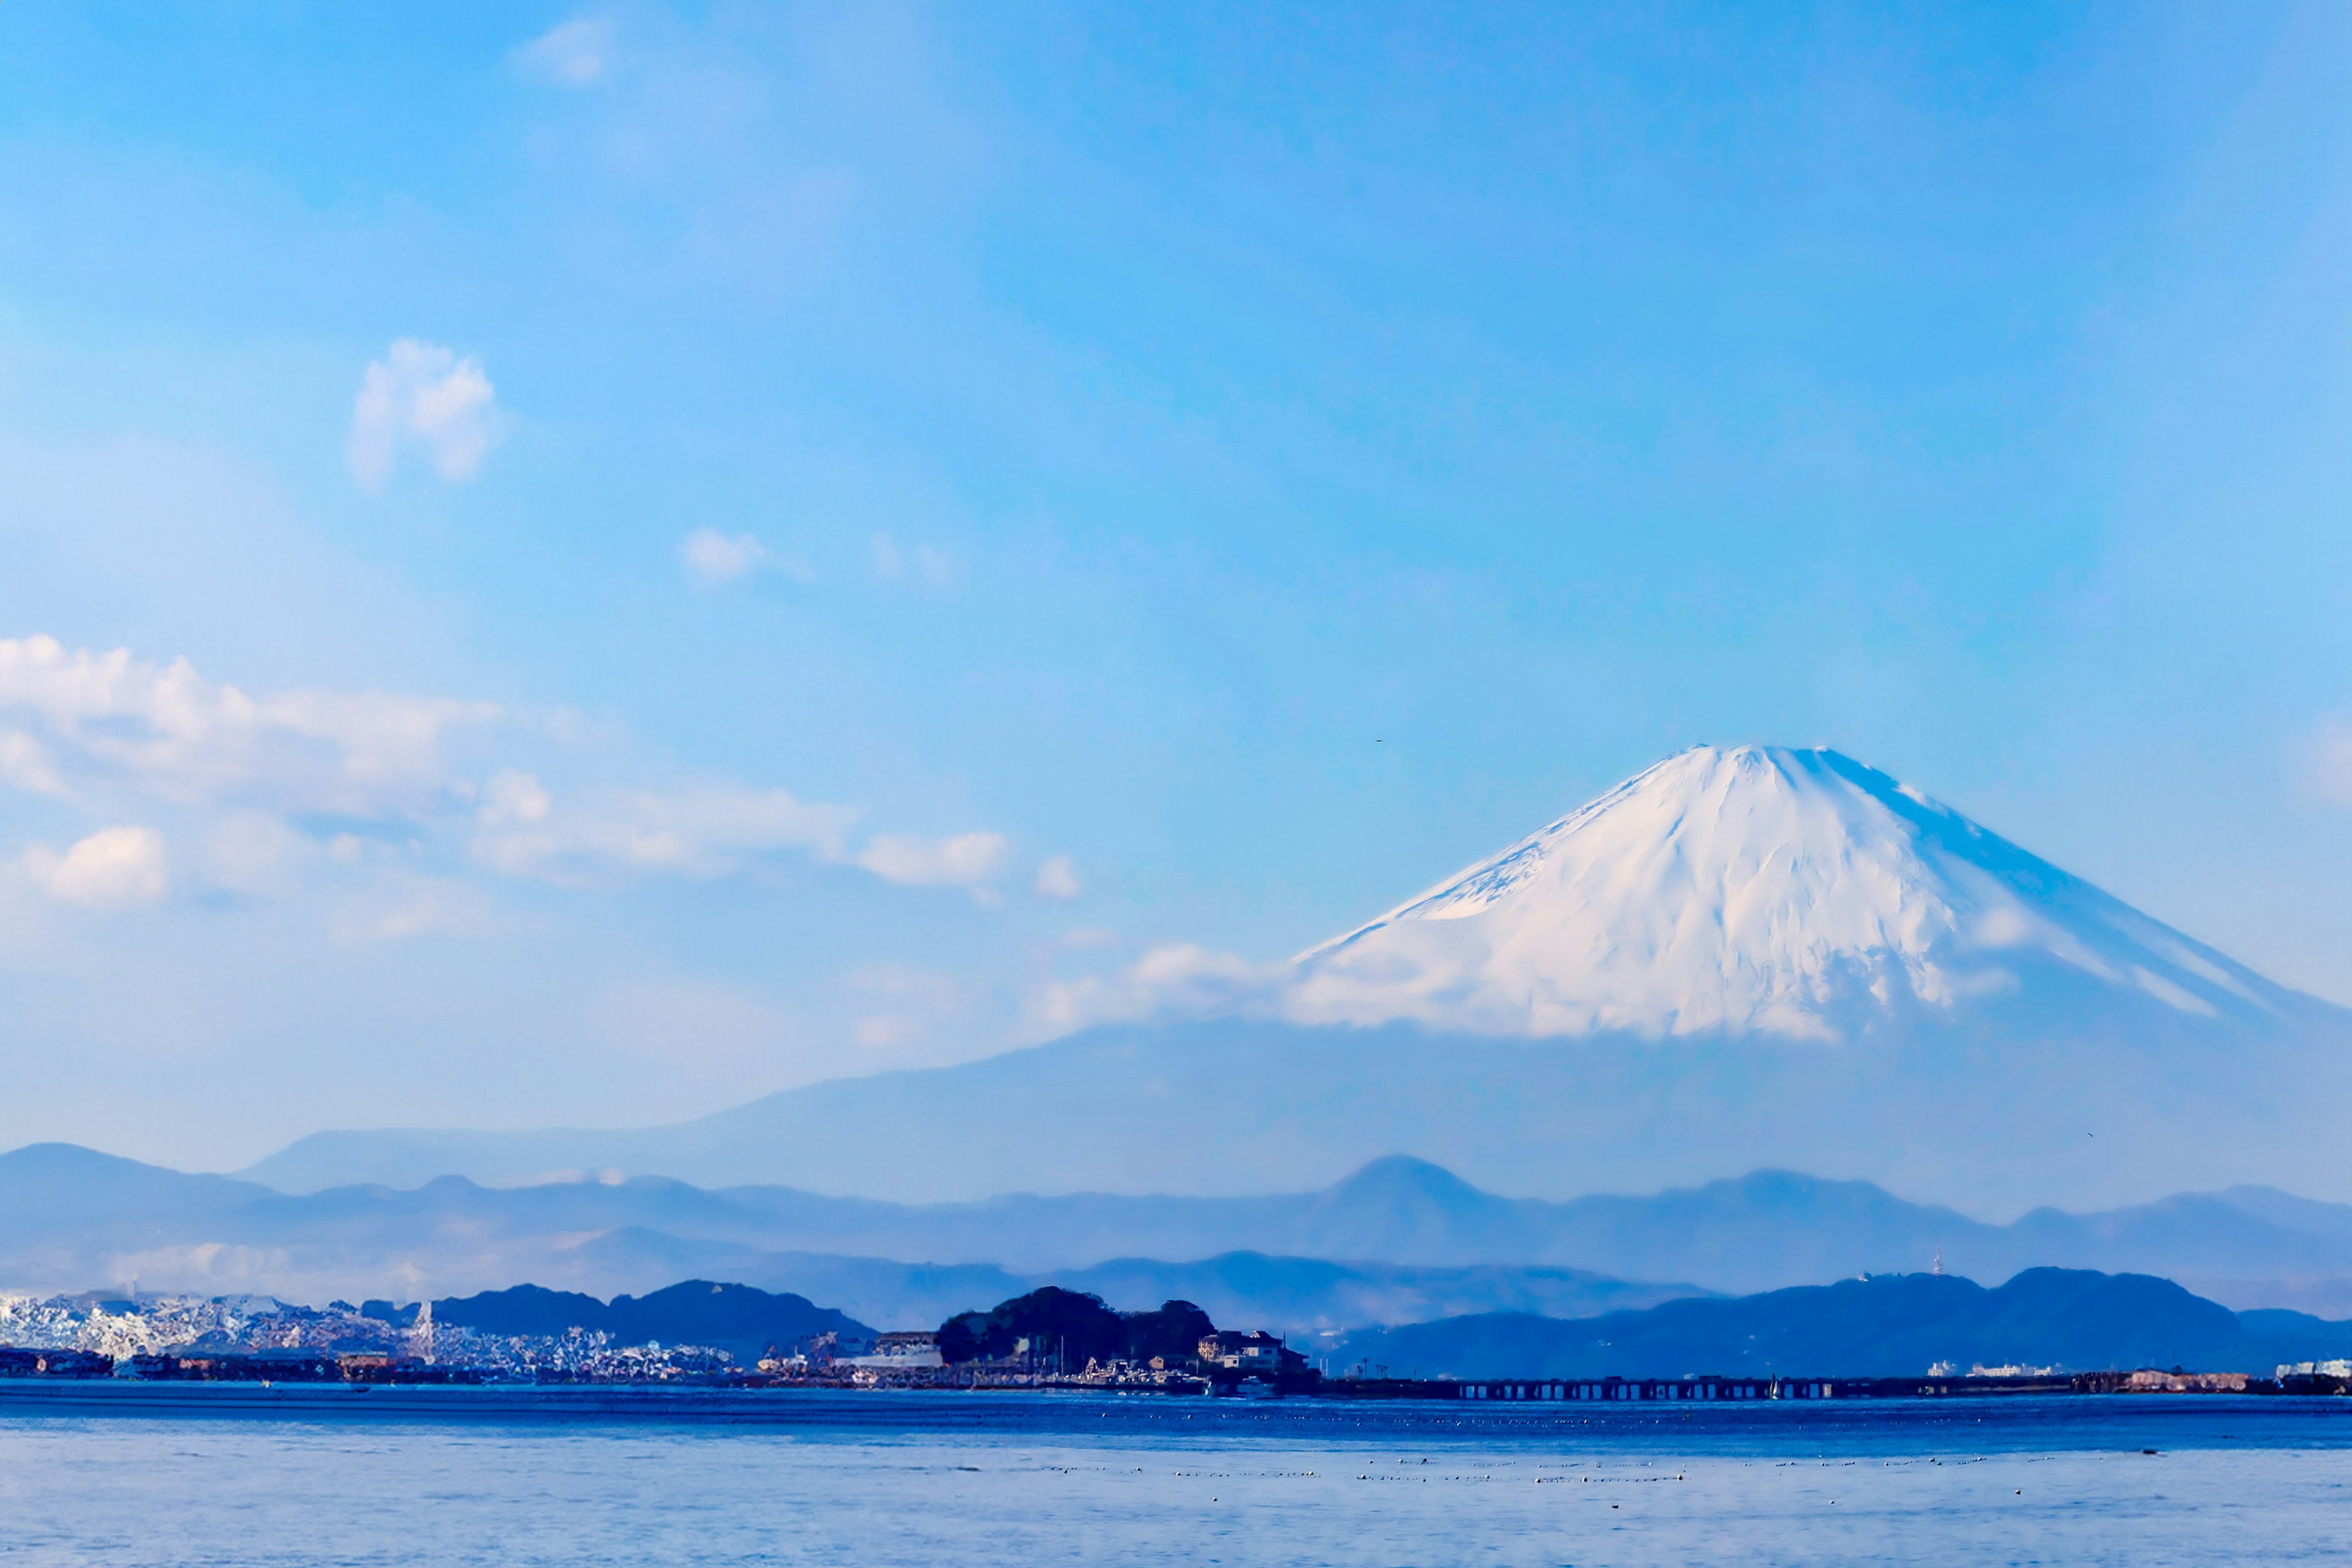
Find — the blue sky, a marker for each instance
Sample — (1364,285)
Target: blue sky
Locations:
(724,546)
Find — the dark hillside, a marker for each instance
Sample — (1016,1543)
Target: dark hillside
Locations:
(1074,1329)
(2073,1319)
(737,1319)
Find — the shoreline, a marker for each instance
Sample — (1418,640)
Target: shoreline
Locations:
(1027,1408)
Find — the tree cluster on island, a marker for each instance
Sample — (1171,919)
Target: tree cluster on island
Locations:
(1072,1329)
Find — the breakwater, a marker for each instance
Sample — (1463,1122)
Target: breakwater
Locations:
(1713,1390)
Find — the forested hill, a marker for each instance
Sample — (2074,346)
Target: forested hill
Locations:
(737,1319)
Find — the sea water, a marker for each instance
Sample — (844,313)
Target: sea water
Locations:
(256,1477)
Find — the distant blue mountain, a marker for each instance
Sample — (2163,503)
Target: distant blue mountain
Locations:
(1130,1109)
(70,1218)
(1311,1296)
(2072,1319)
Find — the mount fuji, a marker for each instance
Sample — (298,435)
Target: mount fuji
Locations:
(1757,889)
(1740,958)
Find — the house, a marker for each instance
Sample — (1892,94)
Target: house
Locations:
(1253,1354)
(2315,1369)
(902,1350)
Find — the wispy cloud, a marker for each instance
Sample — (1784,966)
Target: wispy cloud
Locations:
(579,52)
(423,398)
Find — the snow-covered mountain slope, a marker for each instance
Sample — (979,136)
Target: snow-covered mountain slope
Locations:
(1754,888)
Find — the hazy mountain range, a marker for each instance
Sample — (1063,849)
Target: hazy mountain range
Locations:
(2069,1320)
(1743,958)
(1400,1241)
(2057,1319)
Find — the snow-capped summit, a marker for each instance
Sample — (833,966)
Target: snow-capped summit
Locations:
(1754,888)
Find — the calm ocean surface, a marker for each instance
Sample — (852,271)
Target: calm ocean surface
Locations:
(463,1476)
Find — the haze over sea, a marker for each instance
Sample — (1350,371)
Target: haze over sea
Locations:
(979,1480)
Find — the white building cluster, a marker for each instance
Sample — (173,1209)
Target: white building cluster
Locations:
(122,1327)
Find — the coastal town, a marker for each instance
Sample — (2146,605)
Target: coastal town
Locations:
(1050,1340)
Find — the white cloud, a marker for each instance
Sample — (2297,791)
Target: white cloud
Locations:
(420,394)
(167,731)
(104,723)
(114,869)
(574,53)
(964,860)
(2323,764)
(1176,978)
(714,558)
(1057,877)
(703,830)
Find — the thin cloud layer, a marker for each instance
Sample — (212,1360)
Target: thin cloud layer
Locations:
(422,398)
(701,831)
(90,729)
(165,730)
